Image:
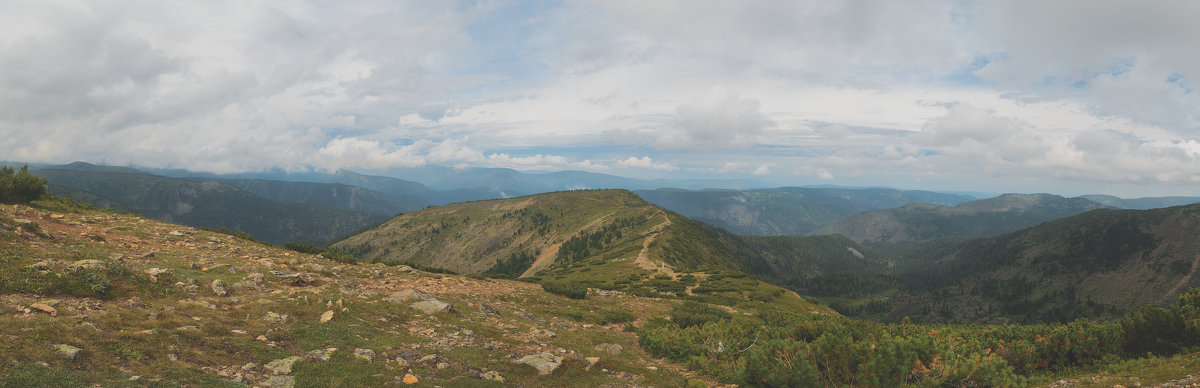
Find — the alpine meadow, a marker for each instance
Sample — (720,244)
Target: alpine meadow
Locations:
(555,193)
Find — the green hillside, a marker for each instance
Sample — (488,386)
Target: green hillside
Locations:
(207,204)
(785,211)
(329,194)
(987,217)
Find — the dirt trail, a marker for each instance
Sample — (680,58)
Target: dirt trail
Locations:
(643,257)
(543,260)
(547,256)
(1184,281)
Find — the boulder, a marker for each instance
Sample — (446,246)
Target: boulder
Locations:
(484,308)
(433,307)
(86,264)
(322,354)
(279,382)
(544,362)
(364,354)
(282,366)
(218,287)
(407,295)
(327,316)
(610,348)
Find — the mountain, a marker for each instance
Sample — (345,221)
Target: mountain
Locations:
(329,194)
(1098,264)
(612,231)
(785,211)
(1144,203)
(795,261)
(986,217)
(204,204)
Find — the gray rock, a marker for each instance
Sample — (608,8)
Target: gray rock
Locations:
(282,366)
(322,354)
(492,375)
(364,354)
(407,295)
(317,267)
(275,317)
(157,271)
(407,269)
(529,316)
(188,328)
(484,308)
(66,351)
(544,362)
(41,265)
(591,362)
(610,348)
(86,264)
(218,287)
(254,277)
(433,307)
(279,382)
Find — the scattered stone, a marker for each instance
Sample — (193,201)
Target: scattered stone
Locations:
(407,269)
(544,333)
(364,354)
(407,295)
(429,358)
(66,351)
(529,316)
(400,362)
(610,348)
(433,307)
(176,233)
(218,287)
(44,308)
(254,277)
(89,325)
(148,255)
(275,317)
(544,362)
(652,367)
(188,328)
(41,265)
(238,331)
(409,354)
(249,366)
(322,354)
(484,308)
(279,382)
(282,366)
(157,271)
(492,375)
(86,264)
(409,379)
(262,338)
(316,267)
(591,362)
(443,365)
(327,316)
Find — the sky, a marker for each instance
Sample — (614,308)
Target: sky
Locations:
(1069,97)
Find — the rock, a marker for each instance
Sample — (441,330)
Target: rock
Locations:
(175,233)
(327,316)
(238,331)
(316,267)
(157,271)
(407,295)
(591,361)
(407,269)
(610,348)
(188,328)
(282,366)
(279,382)
(322,354)
(400,362)
(249,366)
(254,277)
(433,307)
(652,367)
(484,308)
(529,316)
(45,308)
(429,358)
(364,354)
(409,379)
(40,266)
(443,365)
(492,375)
(544,362)
(85,264)
(544,333)
(409,354)
(218,287)
(274,317)
(66,351)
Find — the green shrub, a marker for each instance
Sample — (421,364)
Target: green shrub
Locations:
(779,363)
(303,247)
(20,186)
(614,316)
(35,375)
(567,290)
(689,313)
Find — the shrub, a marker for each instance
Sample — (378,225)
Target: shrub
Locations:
(689,313)
(20,186)
(303,247)
(567,290)
(779,363)
(614,316)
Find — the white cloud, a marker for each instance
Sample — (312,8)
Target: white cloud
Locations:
(762,170)
(646,162)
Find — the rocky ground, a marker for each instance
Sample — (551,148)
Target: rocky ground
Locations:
(198,308)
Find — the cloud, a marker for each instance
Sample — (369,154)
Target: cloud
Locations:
(721,119)
(646,162)
(762,170)
(374,154)
(824,174)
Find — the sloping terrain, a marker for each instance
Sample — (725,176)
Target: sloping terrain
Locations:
(785,211)
(1099,264)
(329,194)
(93,297)
(987,217)
(1144,203)
(565,229)
(206,204)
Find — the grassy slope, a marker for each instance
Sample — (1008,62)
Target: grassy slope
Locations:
(174,330)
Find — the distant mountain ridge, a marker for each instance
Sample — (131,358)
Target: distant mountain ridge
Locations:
(204,204)
(986,217)
(788,210)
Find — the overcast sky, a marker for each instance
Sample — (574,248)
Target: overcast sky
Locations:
(1068,97)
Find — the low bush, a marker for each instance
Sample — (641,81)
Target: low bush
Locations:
(564,289)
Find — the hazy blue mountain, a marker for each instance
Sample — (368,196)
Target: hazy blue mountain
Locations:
(205,204)
(329,194)
(986,217)
(1141,203)
(788,210)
